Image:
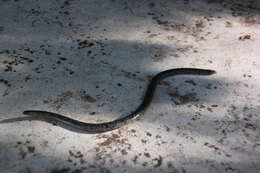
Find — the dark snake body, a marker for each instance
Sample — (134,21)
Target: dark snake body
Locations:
(107,126)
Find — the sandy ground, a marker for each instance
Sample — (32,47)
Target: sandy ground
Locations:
(91,60)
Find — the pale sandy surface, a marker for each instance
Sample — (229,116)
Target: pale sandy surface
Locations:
(91,60)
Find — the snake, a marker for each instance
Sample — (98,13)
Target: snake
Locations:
(122,121)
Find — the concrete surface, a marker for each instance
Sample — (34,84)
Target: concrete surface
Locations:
(91,60)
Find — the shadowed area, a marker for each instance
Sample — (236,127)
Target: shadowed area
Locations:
(115,124)
(92,60)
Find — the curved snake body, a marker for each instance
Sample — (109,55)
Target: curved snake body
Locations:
(107,126)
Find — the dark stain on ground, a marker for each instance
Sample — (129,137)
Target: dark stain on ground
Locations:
(180,99)
(30,149)
(217,150)
(77,154)
(25,148)
(84,44)
(62,170)
(15,60)
(6,82)
(148,134)
(124,152)
(60,99)
(147,155)
(144,141)
(191,82)
(86,97)
(159,161)
(115,143)
(111,139)
(2,28)
(245,37)
(171,26)
(135,159)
